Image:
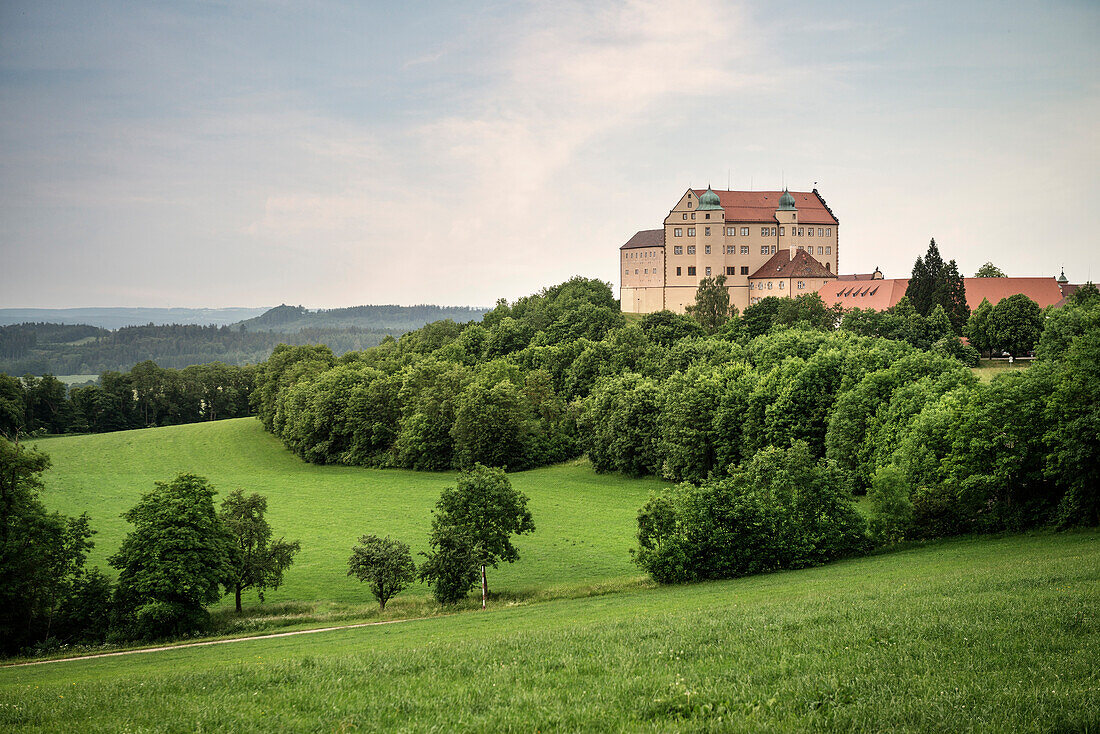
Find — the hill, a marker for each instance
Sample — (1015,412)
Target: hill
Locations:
(291,319)
(116,318)
(585,521)
(989,634)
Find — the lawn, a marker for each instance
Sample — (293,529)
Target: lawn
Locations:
(986,634)
(988,369)
(585,522)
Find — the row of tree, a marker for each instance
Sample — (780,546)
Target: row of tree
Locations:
(145,396)
(181,556)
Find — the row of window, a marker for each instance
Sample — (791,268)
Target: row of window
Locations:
(753,285)
(635,255)
(827,250)
(764,231)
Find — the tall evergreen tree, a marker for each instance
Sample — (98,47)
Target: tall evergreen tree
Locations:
(933,283)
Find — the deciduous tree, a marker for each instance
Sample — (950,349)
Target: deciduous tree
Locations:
(384,564)
(258,562)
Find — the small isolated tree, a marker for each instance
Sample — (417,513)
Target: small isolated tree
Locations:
(1015,324)
(451,569)
(712,304)
(989,270)
(475,521)
(172,564)
(891,508)
(258,561)
(383,563)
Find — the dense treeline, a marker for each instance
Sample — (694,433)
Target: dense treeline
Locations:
(289,319)
(145,396)
(59,349)
(561,373)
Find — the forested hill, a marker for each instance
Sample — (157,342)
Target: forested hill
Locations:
(116,318)
(290,319)
(39,348)
(57,349)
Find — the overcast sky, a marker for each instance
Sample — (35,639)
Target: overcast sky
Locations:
(329,154)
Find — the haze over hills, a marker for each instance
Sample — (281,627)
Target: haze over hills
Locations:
(52,343)
(116,318)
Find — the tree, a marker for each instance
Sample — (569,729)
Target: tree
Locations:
(989,270)
(476,520)
(666,328)
(891,508)
(712,304)
(977,327)
(41,554)
(174,561)
(1074,435)
(258,561)
(383,563)
(1015,324)
(933,283)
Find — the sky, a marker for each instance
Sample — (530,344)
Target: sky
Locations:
(244,153)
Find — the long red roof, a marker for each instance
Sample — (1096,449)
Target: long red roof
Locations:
(882,294)
(760,206)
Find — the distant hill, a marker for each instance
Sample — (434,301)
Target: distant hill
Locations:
(116,318)
(83,349)
(292,319)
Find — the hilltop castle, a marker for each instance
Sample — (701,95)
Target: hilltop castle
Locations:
(766,243)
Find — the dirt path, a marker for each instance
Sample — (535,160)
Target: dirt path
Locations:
(214,642)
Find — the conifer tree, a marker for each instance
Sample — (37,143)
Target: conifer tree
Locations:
(933,283)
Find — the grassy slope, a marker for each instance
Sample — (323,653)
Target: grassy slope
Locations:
(988,369)
(585,522)
(991,634)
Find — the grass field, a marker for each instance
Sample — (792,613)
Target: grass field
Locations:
(585,522)
(989,634)
(988,369)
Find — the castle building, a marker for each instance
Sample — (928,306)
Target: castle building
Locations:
(766,243)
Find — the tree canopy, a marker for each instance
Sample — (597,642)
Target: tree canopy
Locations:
(935,283)
(989,270)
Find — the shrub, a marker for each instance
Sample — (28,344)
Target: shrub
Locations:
(781,510)
(891,509)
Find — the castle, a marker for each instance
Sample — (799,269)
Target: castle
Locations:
(771,243)
(766,243)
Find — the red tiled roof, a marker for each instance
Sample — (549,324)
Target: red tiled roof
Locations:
(760,206)
(645,238)
(857,276)
(782,265)
(882,294)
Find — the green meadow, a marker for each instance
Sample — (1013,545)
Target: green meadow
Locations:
(585,522)
(985,634)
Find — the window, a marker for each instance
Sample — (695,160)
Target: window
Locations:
(646,271)
(730,270)
(689,206)
(828,231)
(678,271)
(800,247)
(828,249)
(691,270)
(706,231)
(764,250)
(678,232)
(752,286)
(773,232)
(691,249)
(678,250)
(820,250)
(829,267)
(685,215)
(706,250)
(731,231)
(769,285)
(693,215)
(635,271)
(744,249)
(810,233)
(763,231)
(820,232)
(800,231)
(782,231)
(708,272)
(773,249)
(691,231)
(626,272)
(801,285)
(744,270)
(707,216)
(780,285)
(744,231)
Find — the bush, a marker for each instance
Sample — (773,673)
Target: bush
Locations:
(891,509)
(164,619)
(952,346)
(781,510)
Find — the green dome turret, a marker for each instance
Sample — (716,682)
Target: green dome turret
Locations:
(709,200)
(1062,279)
(786,201)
